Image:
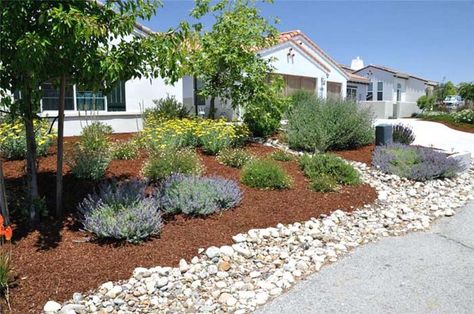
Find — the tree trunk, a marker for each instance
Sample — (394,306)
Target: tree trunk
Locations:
(59,161)
(31,171)
(3,197)
(212,108)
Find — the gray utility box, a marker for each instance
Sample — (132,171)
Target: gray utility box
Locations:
(383,134)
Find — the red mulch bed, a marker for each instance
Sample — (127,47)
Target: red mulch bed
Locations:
(56,259)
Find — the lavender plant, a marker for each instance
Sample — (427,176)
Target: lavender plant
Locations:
(193,195)
(414,162)
(403,134)
(121,211)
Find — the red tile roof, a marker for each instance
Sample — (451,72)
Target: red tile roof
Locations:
(290,35)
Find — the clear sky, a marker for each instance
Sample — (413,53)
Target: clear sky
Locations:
(431,39)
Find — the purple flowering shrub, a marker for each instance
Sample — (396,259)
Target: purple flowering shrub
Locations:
(414,162)
(193,195)
(403,134)
(121,211)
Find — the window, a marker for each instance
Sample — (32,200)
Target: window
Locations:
(399,92)
(88,100)
(295,83)
(370,91)
(116,98)
(50,99)
(351,93)
(380,91)
(200,100)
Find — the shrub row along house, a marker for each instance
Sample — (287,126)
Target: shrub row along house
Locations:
(302,64)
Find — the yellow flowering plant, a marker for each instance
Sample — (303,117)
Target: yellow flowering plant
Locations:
(211,135)
(13,139)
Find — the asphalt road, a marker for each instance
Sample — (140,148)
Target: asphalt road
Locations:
(426,272)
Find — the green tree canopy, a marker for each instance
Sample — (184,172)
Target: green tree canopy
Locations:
(466,90)
(226,59)
(445,89)
(87,42)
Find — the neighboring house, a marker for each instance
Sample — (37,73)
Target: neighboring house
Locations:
(301,63)
(391,93)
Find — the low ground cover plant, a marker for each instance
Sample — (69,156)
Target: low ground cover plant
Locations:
(264,174)
(280,155)
(327,171)
(166,162)
(125,150)
(13,139)
(91,155)
(234,157)
(415,162)
(193,195)
(121,211)
(212,135)
(403,134)
(315,124)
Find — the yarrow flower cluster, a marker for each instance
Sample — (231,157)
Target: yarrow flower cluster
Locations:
(464,116)
(13,139)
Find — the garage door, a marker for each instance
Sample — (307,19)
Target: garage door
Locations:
(294,83)
(334,90)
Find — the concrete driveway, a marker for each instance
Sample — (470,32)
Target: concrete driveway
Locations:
(437,135)
(426,272)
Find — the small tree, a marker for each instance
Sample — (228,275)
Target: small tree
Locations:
(466,91)
(226,58)
(444,89)
(77,42)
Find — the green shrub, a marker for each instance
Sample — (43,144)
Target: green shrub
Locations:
(426,103)
(95,136)
(234,157)
(125,150)
(316,124)
(281,156)
(264,174)
(323,183)
(162,164)
(166,109)
(213,141)
(326,170)
(89,164)
(264,113)
(91,155)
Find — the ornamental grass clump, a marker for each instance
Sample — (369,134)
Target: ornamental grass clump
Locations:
(327,171)
(415,162)
(264,174)
(234,157)
(6,267)
(198,196)
(121,211)
(164,163)
(13,139)
(403,134)
(316,124)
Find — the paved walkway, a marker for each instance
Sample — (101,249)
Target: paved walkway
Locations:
(426,272)
(437,135)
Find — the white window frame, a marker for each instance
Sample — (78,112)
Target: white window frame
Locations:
(379,90)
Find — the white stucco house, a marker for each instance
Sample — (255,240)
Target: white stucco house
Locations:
(391,93)
(301,63)
(297,58)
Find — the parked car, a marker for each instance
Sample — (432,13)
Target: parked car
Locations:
(453,102)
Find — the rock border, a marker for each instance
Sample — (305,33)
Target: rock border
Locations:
(263,263)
